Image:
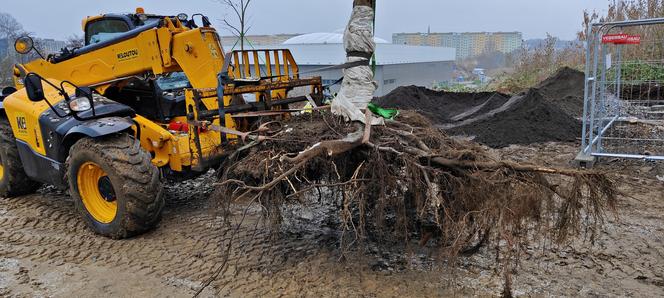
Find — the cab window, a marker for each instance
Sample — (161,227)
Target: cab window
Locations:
(104,30)
(173,81)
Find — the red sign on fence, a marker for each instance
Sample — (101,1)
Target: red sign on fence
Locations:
(614,38)
(633,39)
(621,39)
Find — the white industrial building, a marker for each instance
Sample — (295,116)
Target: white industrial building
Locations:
(396,65)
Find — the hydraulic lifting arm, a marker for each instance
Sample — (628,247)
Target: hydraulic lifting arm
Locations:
(164,45)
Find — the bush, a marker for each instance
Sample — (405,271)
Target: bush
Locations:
(532,65)
(640,71)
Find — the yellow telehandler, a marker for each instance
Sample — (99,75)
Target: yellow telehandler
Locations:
(148,99)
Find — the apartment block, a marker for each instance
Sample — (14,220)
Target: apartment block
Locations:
(467,44)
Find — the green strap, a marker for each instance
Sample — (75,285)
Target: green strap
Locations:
(385,113)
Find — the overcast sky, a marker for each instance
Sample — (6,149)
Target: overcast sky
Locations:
(561,18)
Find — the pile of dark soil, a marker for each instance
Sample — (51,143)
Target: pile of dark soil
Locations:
(532,119)
(565,90)
(546,113)
(441,106)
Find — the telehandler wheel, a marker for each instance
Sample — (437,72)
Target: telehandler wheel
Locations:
(13,180)
(115,187)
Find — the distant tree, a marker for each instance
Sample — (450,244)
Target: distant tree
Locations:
(532,65)
(75,41)
(239,26)
(588,19)
(10,29)
(6,65)
(489,60)
(621,10)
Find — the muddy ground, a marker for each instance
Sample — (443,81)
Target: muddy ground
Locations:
(45,250)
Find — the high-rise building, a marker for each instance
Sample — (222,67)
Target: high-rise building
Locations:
(50,46)
(467,44)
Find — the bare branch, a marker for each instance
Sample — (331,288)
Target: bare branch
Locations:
(10,29)
(240,9)
(233,28)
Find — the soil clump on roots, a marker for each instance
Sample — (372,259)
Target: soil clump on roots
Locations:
(407,180)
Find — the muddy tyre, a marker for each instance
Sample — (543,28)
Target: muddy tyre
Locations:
(13,180)
(114,185)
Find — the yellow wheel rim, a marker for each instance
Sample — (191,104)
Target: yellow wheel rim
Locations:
(97,193)
(2,170)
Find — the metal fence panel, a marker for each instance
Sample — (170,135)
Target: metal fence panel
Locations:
(624,95)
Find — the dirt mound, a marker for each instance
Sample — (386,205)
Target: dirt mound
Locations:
(546,113)
(441,106)
(565,89)
(531,119)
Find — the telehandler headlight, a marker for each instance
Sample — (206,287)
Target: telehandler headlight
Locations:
(80,104)
(183,17)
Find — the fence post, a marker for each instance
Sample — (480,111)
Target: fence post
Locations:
(589,45)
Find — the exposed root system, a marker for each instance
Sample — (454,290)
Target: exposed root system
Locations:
(408,179)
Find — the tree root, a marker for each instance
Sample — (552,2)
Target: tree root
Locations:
(423,178)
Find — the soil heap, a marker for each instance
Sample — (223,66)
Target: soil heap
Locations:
(531,119)
(565,90)
(440,106)
(546,113)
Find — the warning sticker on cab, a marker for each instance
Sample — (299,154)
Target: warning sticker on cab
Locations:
(128,55)
(213,51)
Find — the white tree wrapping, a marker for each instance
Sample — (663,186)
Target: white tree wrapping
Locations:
(358,86)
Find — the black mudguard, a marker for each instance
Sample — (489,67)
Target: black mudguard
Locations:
(59,134)
(7,91)
(100,127)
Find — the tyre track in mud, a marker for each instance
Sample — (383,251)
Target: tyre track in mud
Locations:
(627,258)
(184,250)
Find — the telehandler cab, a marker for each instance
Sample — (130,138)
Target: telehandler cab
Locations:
(148,99)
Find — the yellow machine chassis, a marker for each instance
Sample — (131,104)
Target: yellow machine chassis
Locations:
(170,48)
